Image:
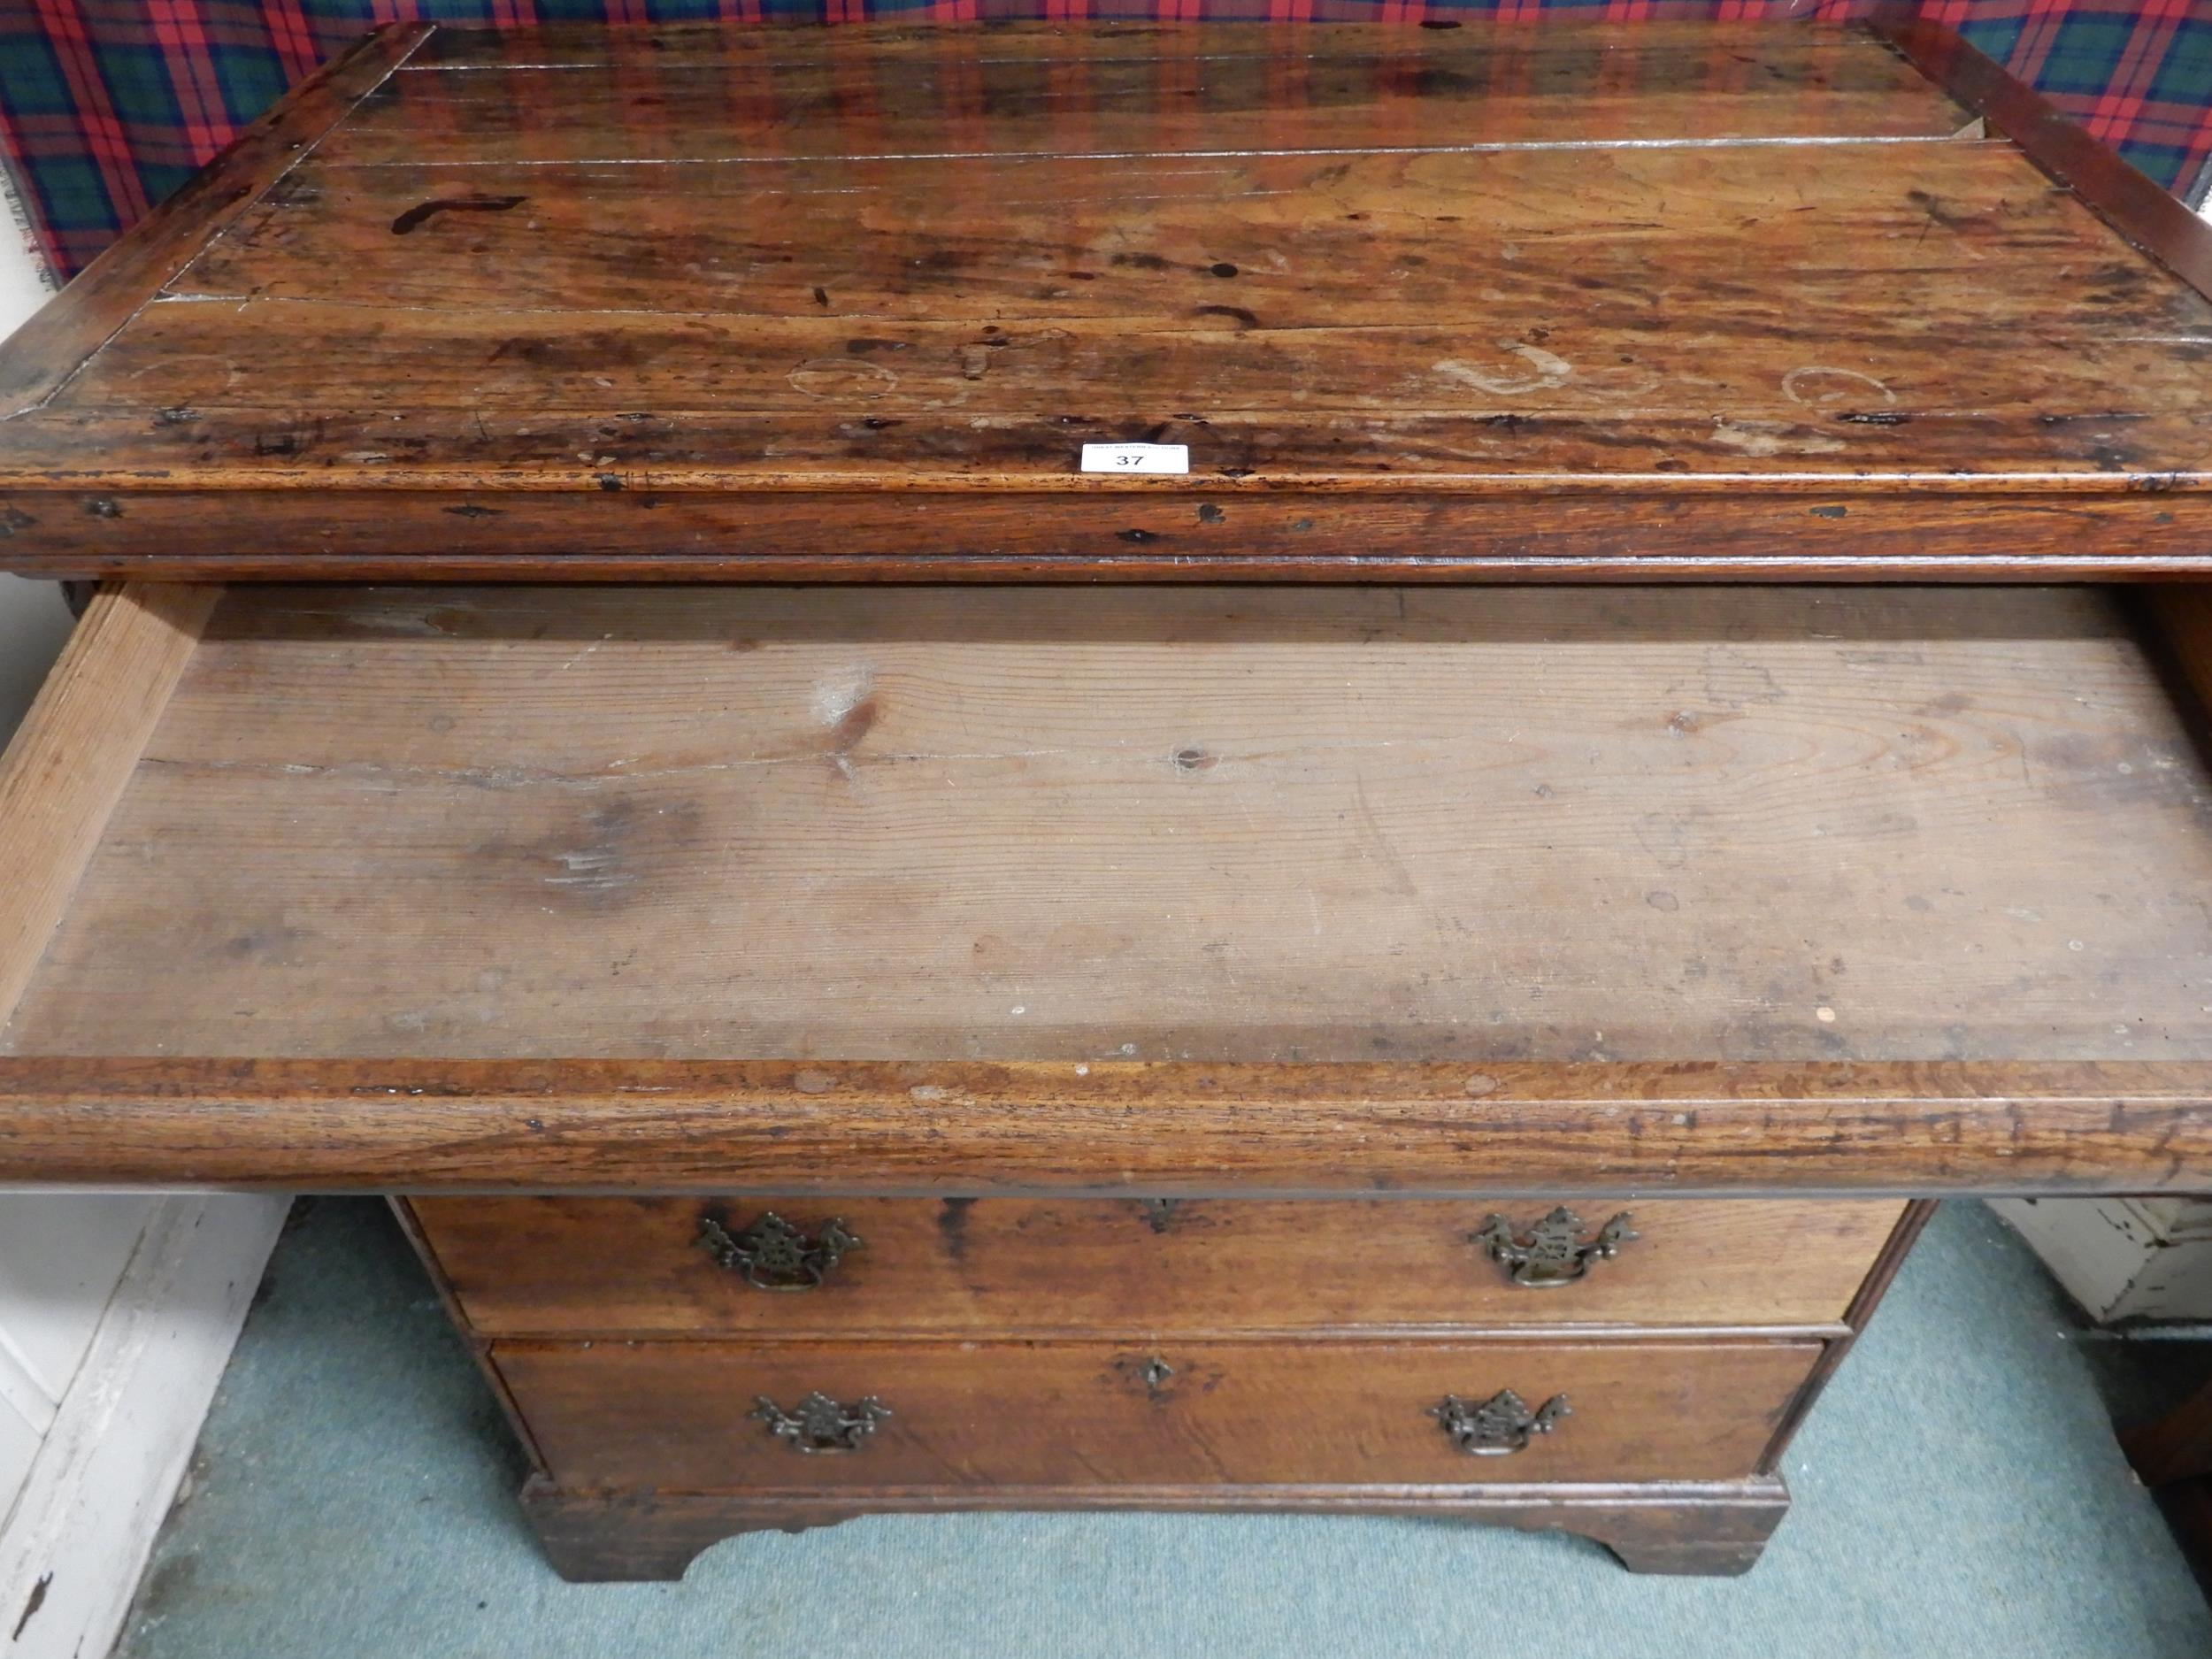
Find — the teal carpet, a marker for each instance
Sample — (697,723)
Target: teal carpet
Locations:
(1958,1493)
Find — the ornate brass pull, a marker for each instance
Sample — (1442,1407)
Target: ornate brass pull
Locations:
(773,1255)
(1501,1424)
(820,1425)
(1553,1252)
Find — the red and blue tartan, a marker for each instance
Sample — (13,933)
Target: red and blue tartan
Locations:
(108,105)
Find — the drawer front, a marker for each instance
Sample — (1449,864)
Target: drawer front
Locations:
(687,1415)
(555,1266)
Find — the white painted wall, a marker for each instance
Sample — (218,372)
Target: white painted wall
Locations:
(118,1311)
(60,1255)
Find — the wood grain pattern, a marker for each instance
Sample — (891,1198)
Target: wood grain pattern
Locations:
(994,1267)
(1220,90)
(1422,302)
(1545,1130)
(75,752)
(43,354)
(1707,1528)
(2150,218)
(863,891)
(1731,533)
(672,1414)
(1181,825)
(1608,54)
(731,238)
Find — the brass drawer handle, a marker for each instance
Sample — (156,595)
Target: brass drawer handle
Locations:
(820,1425)
(1501,1424)
(773,1255)
(1553,1252)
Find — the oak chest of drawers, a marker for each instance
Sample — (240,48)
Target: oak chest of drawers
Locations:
(1077,1001)
(1334,1353)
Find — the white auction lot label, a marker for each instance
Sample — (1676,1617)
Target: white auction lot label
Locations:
(1136,457)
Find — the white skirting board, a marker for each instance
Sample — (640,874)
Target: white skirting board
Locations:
(2123,1259)
(73,1546)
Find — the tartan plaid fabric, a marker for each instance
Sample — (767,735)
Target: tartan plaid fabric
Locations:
(108,105)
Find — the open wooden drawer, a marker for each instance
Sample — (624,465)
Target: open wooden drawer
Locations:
(1120,890)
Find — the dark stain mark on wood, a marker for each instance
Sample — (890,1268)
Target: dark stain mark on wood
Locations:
(14,519)
(952,1225)
(1142,261)
(102,507)
(852,726)
(1236,314)
(1159,1213)
(609,482)
(264,943)
(1933,207)
(1429,81)
(423,213)
(821,297)
(594,861)
(1208,513)
(1223,268)
(864,345)
(470,510)
(1831,512)
(1136,537)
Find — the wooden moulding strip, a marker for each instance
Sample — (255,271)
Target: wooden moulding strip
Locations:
(1124,1128)
(43,354)
(76,750)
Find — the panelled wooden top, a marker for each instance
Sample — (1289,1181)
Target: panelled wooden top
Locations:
(715,300)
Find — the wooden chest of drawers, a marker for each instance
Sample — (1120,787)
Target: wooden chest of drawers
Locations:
(957,1353)
(1137,1041)
(1085,1188)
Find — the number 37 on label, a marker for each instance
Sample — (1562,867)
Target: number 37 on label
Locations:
(1129,458)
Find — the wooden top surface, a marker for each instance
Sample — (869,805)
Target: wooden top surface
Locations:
(1262,826)
(794,302)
